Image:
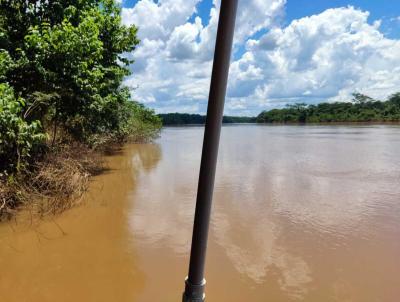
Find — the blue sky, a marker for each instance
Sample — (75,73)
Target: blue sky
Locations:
(295,9)
(284,51)
(385,10)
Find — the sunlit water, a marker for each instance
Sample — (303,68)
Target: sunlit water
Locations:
(307,213)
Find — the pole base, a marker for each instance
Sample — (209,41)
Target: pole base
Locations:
(194,292)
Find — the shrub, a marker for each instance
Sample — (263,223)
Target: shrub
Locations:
(19,139)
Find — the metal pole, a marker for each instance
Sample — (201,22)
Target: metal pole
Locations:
(195,282)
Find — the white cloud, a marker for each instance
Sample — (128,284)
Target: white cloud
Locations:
(256,15)
(182,42)
(321,57)
(173,62)
(326,56)
(158,20)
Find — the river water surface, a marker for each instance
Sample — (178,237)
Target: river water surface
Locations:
(301,213)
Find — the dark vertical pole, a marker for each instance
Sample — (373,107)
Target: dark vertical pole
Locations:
(194,288)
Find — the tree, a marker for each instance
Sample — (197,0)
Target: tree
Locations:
(64,63)
(360,98)
(395,99)
(18,138)
(364,109)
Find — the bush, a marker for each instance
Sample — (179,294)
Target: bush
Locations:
(19,139)
(141,122)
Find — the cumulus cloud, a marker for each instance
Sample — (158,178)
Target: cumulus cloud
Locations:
(321,57)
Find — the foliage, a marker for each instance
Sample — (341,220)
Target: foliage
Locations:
(227,119)
(140,122)
(362,109)
(64,62)
(18,137)
(186,119)
(182,118)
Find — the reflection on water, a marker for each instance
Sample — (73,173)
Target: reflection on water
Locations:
(306,213)
(83,254)
(300,213)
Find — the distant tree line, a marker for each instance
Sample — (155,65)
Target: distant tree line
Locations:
(197,119)
(362,109)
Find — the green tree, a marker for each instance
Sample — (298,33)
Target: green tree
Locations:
(361,98)
(362,109)
(18,137)
(64,61)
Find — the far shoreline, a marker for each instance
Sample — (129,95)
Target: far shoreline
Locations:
(292,124)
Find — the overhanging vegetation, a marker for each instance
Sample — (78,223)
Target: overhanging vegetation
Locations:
(62,64)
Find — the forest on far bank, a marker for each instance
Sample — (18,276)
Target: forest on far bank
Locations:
(198,119)
(361,109)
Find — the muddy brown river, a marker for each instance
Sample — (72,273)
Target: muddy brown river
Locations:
(301,213)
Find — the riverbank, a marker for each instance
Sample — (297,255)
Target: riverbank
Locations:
(57,179)
(53,183)
(370,123)
(62,99)
(84,249)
